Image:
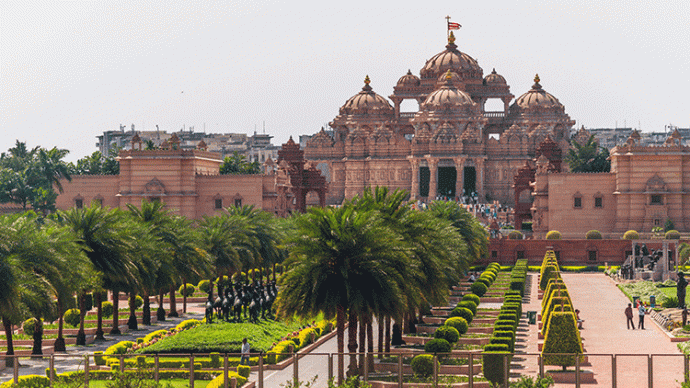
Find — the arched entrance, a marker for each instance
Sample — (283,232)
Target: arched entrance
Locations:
(470,180)
(424,176)
(446,181)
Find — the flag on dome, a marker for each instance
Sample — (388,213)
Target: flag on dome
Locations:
(453,26)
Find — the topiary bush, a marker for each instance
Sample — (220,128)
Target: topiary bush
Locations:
(495,358)
(471,297)
(550,272)
(448,333)
(423,365)
(244,370)
(593,235)
(562,336)
(187,290)
(459,323)
(437,345)
(672,235)
(98,358)
(462,312)
(485,280)
(28,381)
(479,288)
(553,235)
(631,235)
(515,235)
(204,286)
(72,317)
(107,309)
(468,304)
(138,302)
(30,325)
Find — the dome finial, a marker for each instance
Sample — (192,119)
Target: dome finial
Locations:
(536,79)
(449,75)
(367,81)
(451,38)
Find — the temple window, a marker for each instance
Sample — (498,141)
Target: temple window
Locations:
(577,202)
(592,255)
(79,203)
(655,199)
(238,202)
(598,202)
(219,203)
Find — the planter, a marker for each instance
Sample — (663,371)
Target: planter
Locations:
(568,377)
(392,367)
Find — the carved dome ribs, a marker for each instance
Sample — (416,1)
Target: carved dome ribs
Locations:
(366,101)
(454,60)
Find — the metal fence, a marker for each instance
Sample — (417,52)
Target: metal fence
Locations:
(381,370)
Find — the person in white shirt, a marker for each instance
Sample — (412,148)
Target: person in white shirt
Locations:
(245,352)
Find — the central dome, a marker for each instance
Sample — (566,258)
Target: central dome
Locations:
(448,96)
(453,60)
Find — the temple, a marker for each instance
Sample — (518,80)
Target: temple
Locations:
(450,146)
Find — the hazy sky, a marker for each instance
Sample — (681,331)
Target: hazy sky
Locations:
(73,69)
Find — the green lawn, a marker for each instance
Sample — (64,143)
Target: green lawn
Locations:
(644,289)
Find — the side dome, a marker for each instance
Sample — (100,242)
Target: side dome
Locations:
(447,97)
(454,60)
(495,79)
(408,80)
(366,101)
(537,98)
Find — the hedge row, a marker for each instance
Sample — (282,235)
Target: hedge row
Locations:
(482,284)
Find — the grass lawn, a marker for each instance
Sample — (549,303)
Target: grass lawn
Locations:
(225,337)
(174,383)
(644,289)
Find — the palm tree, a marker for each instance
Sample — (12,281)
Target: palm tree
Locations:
(106,240)
(475,236)
(341,260)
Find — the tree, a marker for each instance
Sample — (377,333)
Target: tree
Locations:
(95,164)
(341,260)
(475,236)
(106,240)
(238,164)
(588,157)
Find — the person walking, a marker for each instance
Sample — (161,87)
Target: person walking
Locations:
(245,352)
(641,310)
(629,316)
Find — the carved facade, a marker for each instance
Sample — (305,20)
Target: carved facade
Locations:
(647,186)
(449,145)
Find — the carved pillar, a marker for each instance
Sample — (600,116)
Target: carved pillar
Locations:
(506,104)
(414,189)
(396,104)
(433,178)
(479,162)
(459,175)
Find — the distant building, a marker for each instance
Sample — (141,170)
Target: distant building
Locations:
(256,148)
(612,137)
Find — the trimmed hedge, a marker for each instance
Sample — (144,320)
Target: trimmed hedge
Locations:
(437,345)
(448,333)
(553,235)
(515,235)
(28,381)
(219,381)
(550,272)
(423,365)
(562,336)
(187,290)
(631,235)
(494,364)
(459,323)
(471,297)
(593,235)
(672,235)
(479,288)
(462,312)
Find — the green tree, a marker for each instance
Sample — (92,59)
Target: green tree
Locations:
(95,164)
(238,164)
(341,260)
(588,157)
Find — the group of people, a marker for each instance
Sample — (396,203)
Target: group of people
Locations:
(641,310)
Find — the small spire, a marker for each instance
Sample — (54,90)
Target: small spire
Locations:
(536,79)
(493,71)
(449,75)
(367,81)
(451,38)
(409,72)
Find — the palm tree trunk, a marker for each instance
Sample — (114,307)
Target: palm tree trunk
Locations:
(146,316)
(115,330)
(184,295)
(9,362)
(173,305)
(160,313)
(59,345)
(220,283)
(352,343)
(99,314)
(274,276)
(370,343)
(340,332)
(81,335)
(132,321)
(362,342)
(38,338)
(379,320)
(388,335)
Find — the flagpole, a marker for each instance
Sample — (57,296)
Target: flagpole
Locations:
(447,26)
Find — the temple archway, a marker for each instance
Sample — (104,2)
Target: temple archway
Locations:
(447,177)
(424,176)
(470,180)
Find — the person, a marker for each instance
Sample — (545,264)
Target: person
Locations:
(472,278)
(641,310)
(629,316)
(680,289)
(579,321)
(245,352)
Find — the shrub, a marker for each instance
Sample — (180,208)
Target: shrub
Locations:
(437,345)
(215,360)
(204,286)
(670,302)
(304,337)
(72,317)
(187,324)
(550,272)
(593,235)
(244,370)
(187,290)
(138,302)
(672,235)
(484,280)
(423,365)
(502,340)
(223,280)
(463,312)
(553,235)
(448,333)
(468,304)
(631,235)
(28,381)
(471,297)
(509,334)
(459,323)
(98,358)
(30,325)
(515,235)
(494,364)
(502,327)
(561,336)
(219,381)
(479,288)
(155,334)
(107,309)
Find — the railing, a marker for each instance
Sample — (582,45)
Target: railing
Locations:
(407,115)
(380,370)
(494,114)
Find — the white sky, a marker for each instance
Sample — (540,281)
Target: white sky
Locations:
(70,70)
